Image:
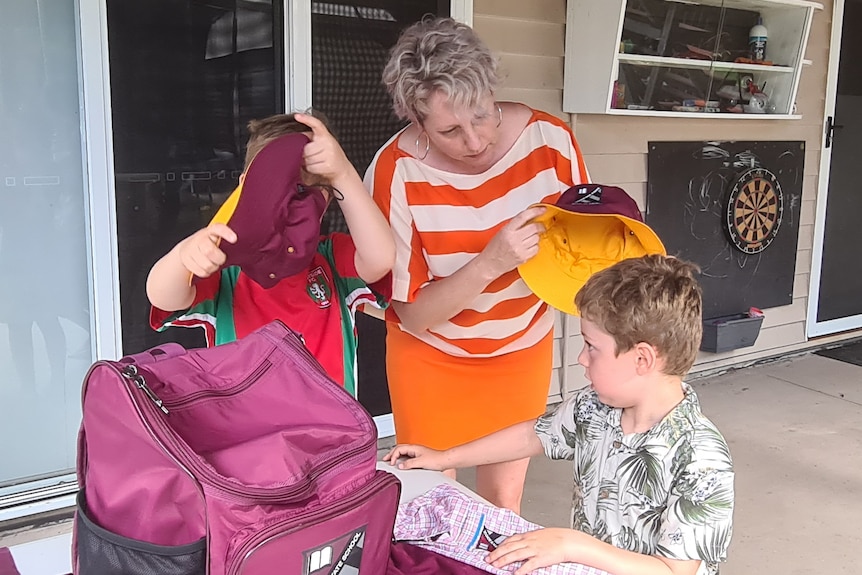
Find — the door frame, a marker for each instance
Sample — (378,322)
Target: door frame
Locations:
(298,90)
(97,142)
(815,328)
(97,134)
(297,48)
(57,492)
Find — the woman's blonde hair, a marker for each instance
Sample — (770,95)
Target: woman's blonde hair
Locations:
(438,54)
(654,299)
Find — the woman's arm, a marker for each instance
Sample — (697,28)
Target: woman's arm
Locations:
(442,299)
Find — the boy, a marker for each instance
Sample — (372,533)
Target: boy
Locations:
(313,284)
(653,489)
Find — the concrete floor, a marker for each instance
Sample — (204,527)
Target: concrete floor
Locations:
(795,434)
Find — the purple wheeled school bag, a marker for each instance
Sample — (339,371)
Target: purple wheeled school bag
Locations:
(244,459)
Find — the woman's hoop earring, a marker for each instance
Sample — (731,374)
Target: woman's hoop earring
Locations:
(499,115)
(427,145)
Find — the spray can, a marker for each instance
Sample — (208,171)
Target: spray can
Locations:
(757,37)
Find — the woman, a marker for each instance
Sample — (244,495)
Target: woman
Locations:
(469,347)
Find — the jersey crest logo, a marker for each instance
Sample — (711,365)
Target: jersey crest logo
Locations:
(318,288)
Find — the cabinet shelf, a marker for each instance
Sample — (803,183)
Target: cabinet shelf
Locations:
(703,115)
(755,4)
(691,63)
(652,57)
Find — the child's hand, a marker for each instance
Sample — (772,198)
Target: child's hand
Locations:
(537,549)
(417,457)
(323,156)
(199,253)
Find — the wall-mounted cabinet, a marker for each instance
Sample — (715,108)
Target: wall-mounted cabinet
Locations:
(684,58)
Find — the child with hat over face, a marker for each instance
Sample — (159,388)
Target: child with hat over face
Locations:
(653,478)
(262,257)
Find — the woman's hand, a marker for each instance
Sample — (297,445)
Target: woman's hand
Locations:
(417,457)
(440,300)
(515,243)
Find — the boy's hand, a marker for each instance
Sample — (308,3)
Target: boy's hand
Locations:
(323,156)
(537,549)
(199,253)
(417,457)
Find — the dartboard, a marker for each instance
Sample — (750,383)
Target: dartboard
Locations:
(754,210)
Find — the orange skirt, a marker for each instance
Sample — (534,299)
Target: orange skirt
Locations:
(441,401)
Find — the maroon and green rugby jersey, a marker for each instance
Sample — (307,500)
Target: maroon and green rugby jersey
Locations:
(319,304)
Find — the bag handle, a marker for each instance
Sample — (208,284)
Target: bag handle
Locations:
(155,354)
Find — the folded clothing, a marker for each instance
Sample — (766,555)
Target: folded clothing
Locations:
(449,522)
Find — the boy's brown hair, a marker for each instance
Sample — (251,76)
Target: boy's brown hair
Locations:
(262,132)
(652,299)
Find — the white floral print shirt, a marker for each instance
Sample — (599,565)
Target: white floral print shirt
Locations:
(666,492)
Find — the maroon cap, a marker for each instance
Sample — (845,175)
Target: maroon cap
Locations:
(599,199)
(276,218)
(589,228)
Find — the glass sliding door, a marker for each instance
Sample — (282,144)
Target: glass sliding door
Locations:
(350,43)
(186,77)
(45,326)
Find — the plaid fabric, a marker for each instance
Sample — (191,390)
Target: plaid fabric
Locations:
(447,521)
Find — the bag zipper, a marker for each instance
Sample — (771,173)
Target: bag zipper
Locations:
(207,394)
(130,372)
(254,494)
(303,520)
(152,433)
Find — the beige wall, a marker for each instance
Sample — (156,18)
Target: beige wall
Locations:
(529,38)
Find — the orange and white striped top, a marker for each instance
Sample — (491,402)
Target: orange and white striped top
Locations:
(442,220)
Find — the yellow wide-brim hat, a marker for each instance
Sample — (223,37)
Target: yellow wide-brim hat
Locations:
(590,228)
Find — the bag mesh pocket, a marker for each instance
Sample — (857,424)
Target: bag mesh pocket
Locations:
(101,552)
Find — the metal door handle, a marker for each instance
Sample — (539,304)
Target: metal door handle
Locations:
(830,129)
